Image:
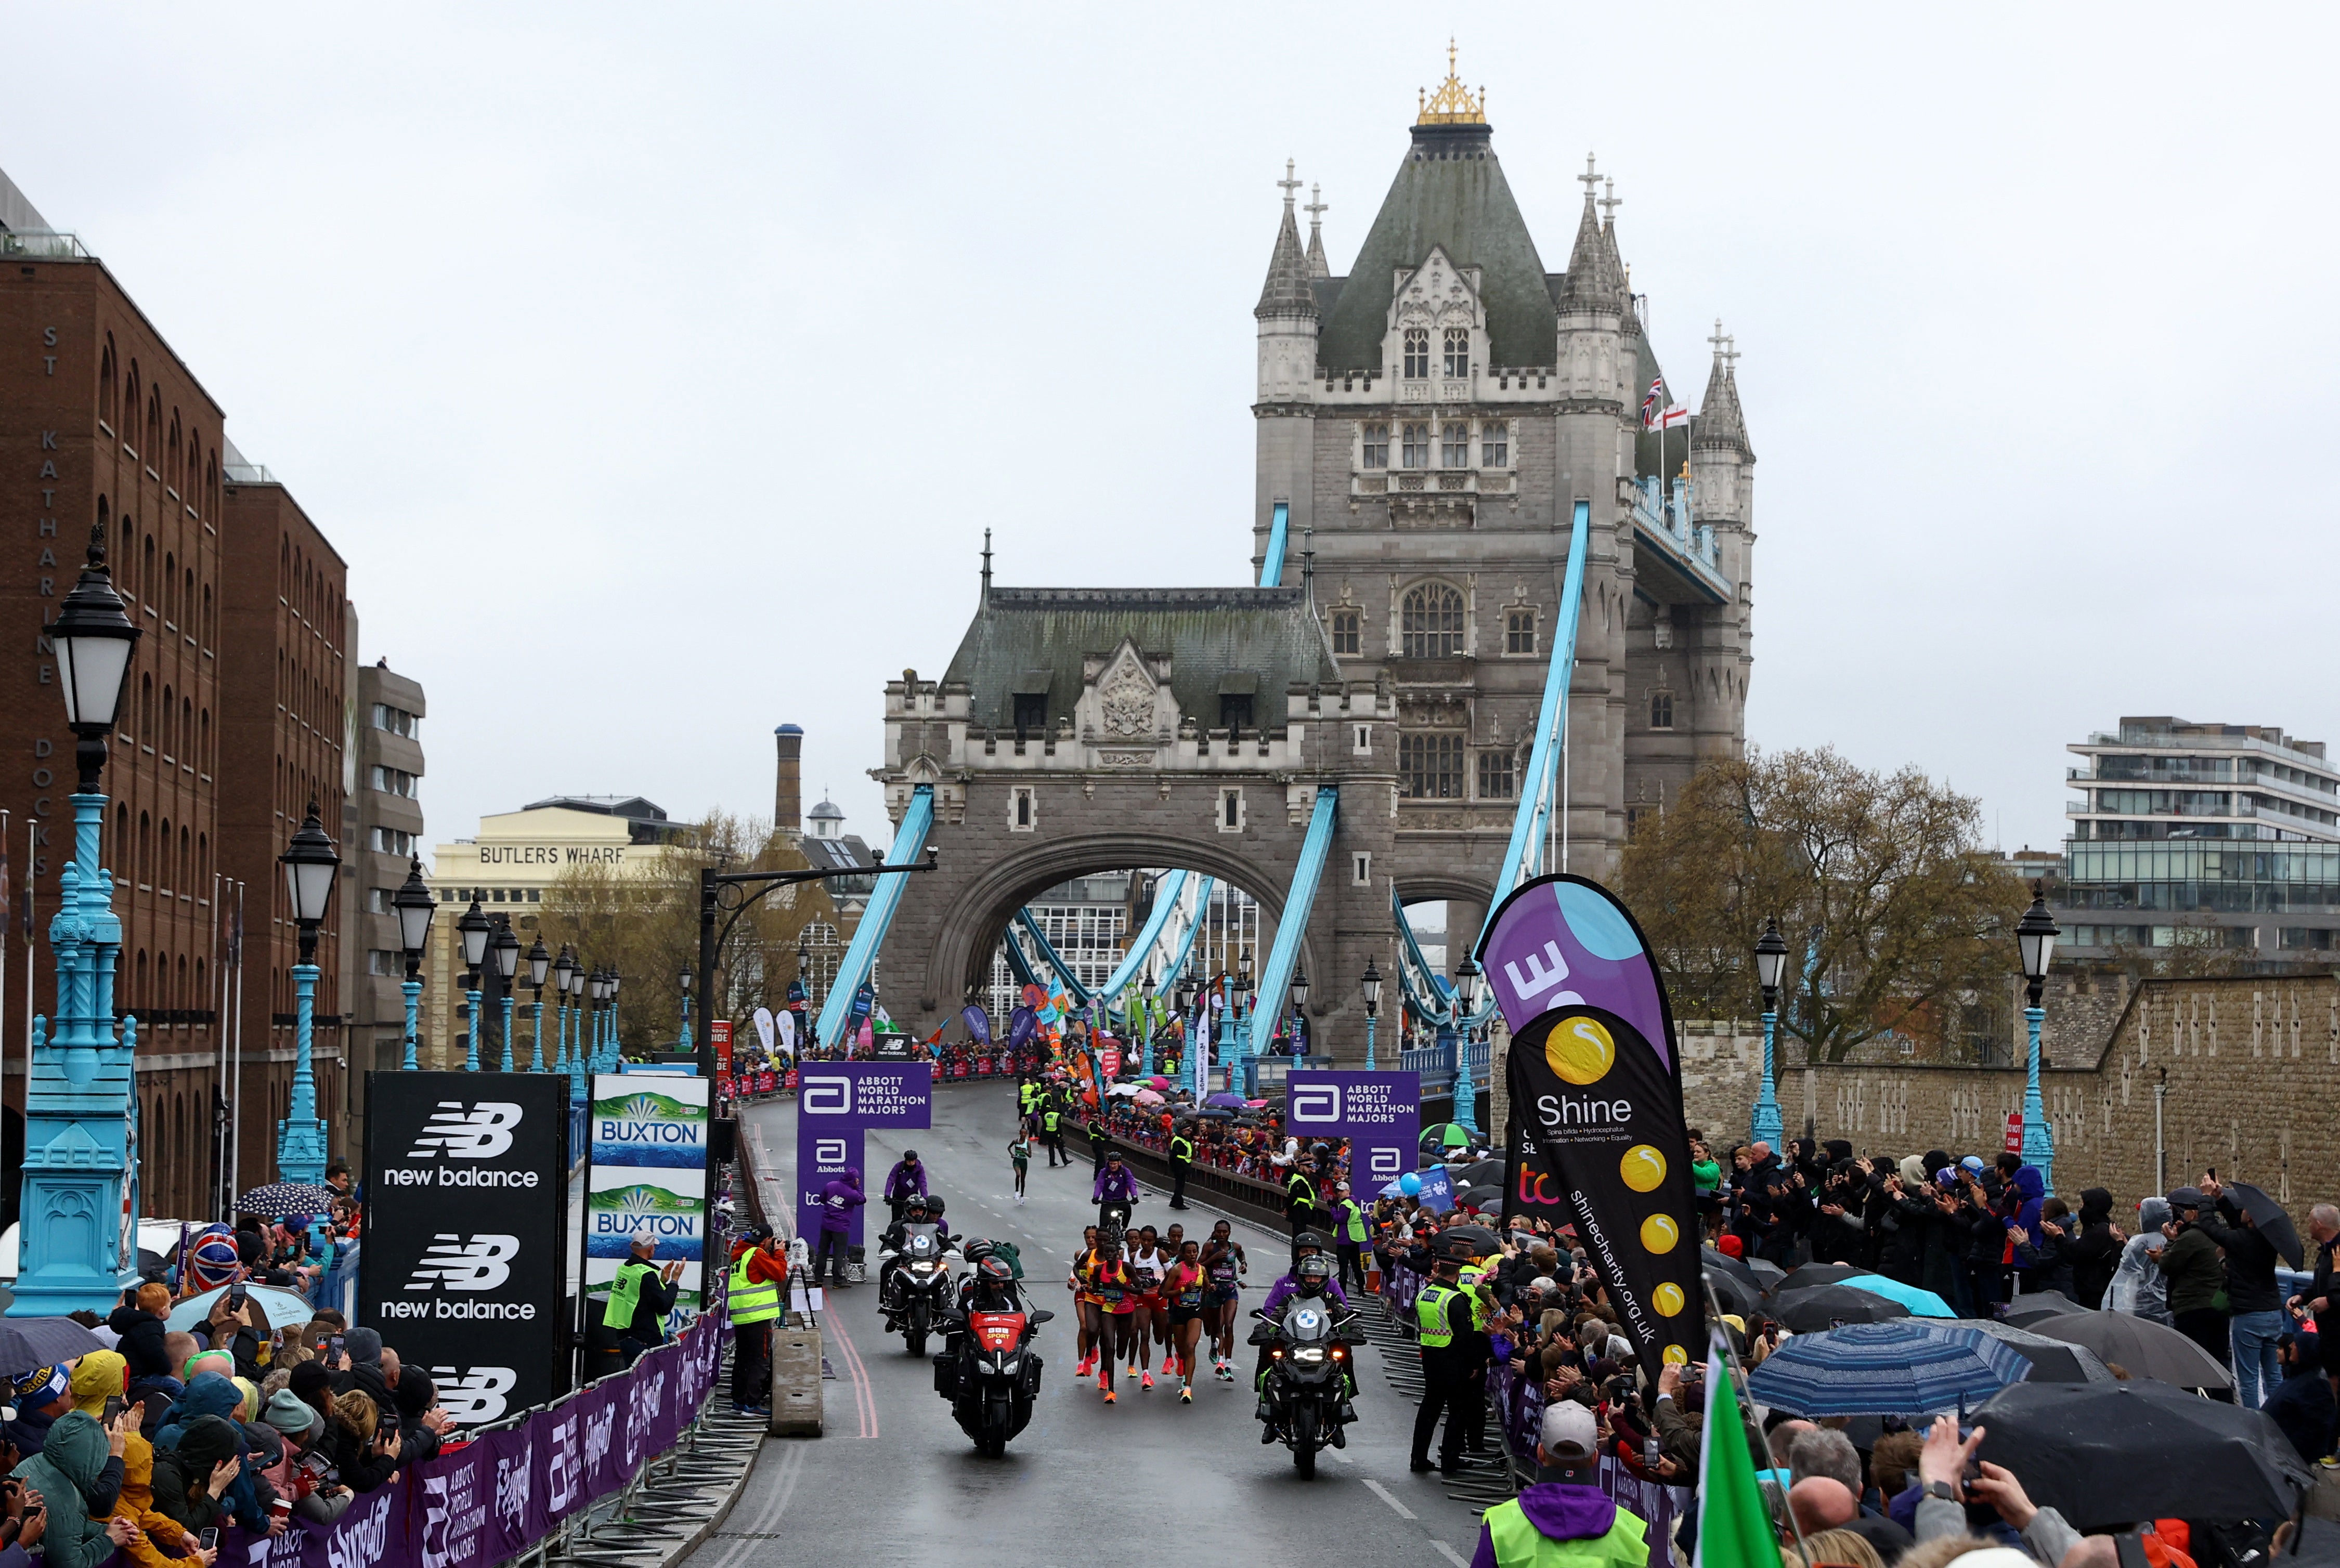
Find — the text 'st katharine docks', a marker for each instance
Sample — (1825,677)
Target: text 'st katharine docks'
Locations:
(1596,1093)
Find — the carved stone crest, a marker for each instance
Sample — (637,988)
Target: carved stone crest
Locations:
(1126,697)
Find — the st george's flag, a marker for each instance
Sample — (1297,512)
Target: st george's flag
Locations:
(1657,417)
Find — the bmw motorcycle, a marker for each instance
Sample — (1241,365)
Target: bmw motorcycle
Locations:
(991,1375)
(918,1289)
(1308,1375)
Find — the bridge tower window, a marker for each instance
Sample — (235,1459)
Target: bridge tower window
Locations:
(1417,352)
(1458,352)
(1430,623)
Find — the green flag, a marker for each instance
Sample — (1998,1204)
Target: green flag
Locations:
(1734,1528)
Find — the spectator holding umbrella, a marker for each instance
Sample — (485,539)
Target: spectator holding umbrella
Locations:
(2254,1303)
(2196,1276)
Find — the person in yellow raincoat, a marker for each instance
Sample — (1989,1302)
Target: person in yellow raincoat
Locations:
(97,1377)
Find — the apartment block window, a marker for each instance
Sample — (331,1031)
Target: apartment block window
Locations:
(1348,631)
(1376,444)
(1413,446)
(1430,764)
(397,720)
(1431,624)
(1454,444)
(1496,444)
(1519,631)
(394,780)
(1417,352)
(380,961)
(378,901)
(1496,775)
(391,841)
(1662,709)
(2313,938)
(1458,352)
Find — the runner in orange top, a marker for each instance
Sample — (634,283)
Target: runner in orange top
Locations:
(1107,1277)
(1183,1288)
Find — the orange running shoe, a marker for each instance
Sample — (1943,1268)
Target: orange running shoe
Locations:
(1108,1396)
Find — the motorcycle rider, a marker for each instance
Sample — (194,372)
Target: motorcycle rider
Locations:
(1116,1183)
(1306,1247)
(1311,1277)
(907,1177)
(917,1210)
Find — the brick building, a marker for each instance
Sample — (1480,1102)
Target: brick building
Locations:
(235,715)
(383,826)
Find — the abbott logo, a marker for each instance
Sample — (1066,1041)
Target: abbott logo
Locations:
(479,1132)
(1387,1164)
(828,1151)
(825,1094)
(474,1395)
(481,1263)
(1313,1102)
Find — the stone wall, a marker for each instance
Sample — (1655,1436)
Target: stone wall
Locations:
(2251,1065)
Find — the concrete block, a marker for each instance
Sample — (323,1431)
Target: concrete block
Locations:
(795,1380)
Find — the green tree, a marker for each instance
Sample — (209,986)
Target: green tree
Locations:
(643,918)
(1895,915)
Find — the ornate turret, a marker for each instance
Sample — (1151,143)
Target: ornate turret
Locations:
(1596,279)
(1316,209)
(1286,291)
(1721,424)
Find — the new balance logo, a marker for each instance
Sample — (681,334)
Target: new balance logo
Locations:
(478,1131)
(455,1263)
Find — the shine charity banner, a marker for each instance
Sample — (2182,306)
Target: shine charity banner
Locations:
(1379,1112)
(1596,1091)
(837,1102)
(649,1173)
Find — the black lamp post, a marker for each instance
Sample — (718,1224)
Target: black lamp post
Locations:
(94,638)
(1370,985)
(416,907)
(473,929)
(1299,990)
(1466,1010)
(2034,941)
(505,951)
(540,963)
(682,983)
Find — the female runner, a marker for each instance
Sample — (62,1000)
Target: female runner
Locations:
(1222,1260)
(1150,1320)
(1184,1288)
(1085,1342)
(1108,1280)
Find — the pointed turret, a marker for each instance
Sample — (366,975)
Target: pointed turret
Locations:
(1721,423)
(1286,293)
(1318,268)
(1596,278)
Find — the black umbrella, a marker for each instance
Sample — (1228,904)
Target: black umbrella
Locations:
(2111,1454)
(1484,1173)
(1483,1198)
(1819,1274)
(1735,1294)
(1737,1268)
(2032,1305)
(1824,1306)
(2052,1360)
(26,1343)
(2145,1349)
(2269,1215)
(1477,1235)
(1767,1274)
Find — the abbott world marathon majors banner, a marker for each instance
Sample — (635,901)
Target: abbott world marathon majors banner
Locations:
(464,1269)
(1379,1112)
(648,1177)
(1596,1092)
(837,1102)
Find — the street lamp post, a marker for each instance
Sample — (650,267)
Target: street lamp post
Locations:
(683,981)
(540,959)
(1372,985)
(506,953)
(614,1049)
(564,970)
(1466,1007)
(2034,937)
(474,929)
(416,906)
(78,1097)
(1770,962)
(310,863)
(1299,1024)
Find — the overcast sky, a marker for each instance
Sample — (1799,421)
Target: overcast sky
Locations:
(657,369)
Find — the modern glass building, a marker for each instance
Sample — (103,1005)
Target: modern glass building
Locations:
(2216,835)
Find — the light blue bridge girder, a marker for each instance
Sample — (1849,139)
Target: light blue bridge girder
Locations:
(1291,925)
(1271,571)
(909,843)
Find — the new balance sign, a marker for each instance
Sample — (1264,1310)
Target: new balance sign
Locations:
(483,1308)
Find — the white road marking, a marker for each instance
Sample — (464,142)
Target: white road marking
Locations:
(1449,1553)
(1338,1457)
(1384,1494)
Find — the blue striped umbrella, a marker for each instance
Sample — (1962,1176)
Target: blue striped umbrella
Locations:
(1904,1367)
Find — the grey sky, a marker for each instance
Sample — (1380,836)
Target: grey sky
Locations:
(657,369)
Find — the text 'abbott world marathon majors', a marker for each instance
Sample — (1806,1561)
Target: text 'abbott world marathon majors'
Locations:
(464,1269)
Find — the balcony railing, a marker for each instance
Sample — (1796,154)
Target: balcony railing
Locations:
(41,243)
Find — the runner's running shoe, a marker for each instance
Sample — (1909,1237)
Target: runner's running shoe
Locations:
(1146,1380)
(1186,1395)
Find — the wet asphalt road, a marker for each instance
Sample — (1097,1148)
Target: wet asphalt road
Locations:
(896,1481)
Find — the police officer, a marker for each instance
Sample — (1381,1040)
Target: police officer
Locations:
(1052,1132)
(1300,1200)
(1446,1383)
(1474,1344)
(1182,1154)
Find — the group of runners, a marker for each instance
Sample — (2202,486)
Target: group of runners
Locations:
(1143,1291)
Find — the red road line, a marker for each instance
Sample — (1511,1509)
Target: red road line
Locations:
(865,1399)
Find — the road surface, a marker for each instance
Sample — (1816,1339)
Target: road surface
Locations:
(896,1481)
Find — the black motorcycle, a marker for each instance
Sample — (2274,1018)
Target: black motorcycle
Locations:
(1308,1375)
(991,1375)
(917,1294)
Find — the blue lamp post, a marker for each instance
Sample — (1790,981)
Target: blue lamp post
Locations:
(564,969)
(1770,962)
(540,960)
(1372,985)
(613,1050)
(2035,937)
(78,1099)
(310,864)
(1466,1010)
(1299,1016)
(474,929)
(683,980)
(416,907)
(505,951)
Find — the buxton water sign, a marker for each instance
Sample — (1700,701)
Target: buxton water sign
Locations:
(648,1177)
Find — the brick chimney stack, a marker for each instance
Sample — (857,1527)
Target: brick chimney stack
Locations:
(787,786)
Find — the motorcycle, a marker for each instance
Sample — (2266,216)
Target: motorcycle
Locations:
(991,1375)
(1308,1375)
(917,1292)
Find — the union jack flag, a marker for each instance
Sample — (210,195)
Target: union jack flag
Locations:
(1650,403)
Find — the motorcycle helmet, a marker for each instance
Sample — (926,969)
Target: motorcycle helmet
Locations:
(1312,1274)
(975,1252)
(994,1273)
(934,1206)
(917,1202)
(909,1157)
(1308,1239)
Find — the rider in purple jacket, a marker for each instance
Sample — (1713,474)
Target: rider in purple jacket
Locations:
(839,1200)
(1305,1245)
(1116,1183)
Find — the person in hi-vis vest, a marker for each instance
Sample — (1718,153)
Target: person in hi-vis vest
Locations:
(760,1274)
(639,1298)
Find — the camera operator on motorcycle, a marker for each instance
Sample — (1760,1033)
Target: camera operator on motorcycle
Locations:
(921,1215)
(1116,1188)
(1312,1274)
(1319,1352)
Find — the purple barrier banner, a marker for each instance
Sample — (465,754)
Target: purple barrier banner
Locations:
(1379,1112)
(1653,1503)
(505,1490)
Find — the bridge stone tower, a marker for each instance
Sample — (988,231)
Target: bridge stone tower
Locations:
(1460,400)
